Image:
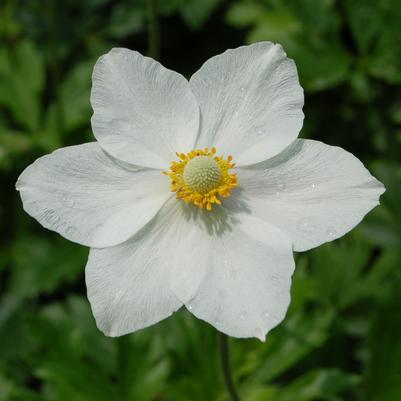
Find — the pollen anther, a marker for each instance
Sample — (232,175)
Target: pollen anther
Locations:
(202,178)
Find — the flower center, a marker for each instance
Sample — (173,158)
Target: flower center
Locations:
(202,178)
(202,174)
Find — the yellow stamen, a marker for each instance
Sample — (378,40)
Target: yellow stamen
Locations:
(201,177)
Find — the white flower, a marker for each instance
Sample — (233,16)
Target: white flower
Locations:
(151,252)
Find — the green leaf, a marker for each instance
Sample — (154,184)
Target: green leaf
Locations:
(13,144)
(338,272)
(75,361)
(6,387)
(126,20)
(195,13)
(332,68)
(285,346)
(385,60)
(364,20)
(30,66)
(21,83)
(192,348)
(74,96)
(383,227)
(308,30)
(243,14)
(278,26)
(383,374)
(41,266)
(318,385)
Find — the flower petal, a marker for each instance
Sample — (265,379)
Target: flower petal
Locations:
(90,198)
(219,265)
(251,102)
(143,112)
(312,191)
(128,285)
(242,284)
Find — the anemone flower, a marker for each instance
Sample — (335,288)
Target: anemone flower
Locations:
(197,193)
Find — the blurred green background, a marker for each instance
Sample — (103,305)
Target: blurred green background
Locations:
(341,339)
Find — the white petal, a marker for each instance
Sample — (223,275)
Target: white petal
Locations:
(89,197)
(182,251)
(312,191)
(143,112)
(128,285)
(242,284)
(251,102)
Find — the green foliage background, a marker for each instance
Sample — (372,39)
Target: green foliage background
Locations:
(341,339)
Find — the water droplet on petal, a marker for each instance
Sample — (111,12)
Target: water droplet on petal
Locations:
(265,315)
(279,187)
(67,201)
(242,315)
(120,124)
(70,230)
(313,186)
(259,334)
(274,278)
(190,307)
(331,231)
(119,294)
(306,225)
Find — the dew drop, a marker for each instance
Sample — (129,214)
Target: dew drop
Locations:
(274,278)
(190,307)
(331,231)
(67,201)
(313,186)
(279,187)
(242,315)
(259,334)
(70,231)
(120,124)
(265,315)
(306,225)
(119,294)
(242,89)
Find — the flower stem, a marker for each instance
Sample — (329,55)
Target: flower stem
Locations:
(225,365)
(153,30)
